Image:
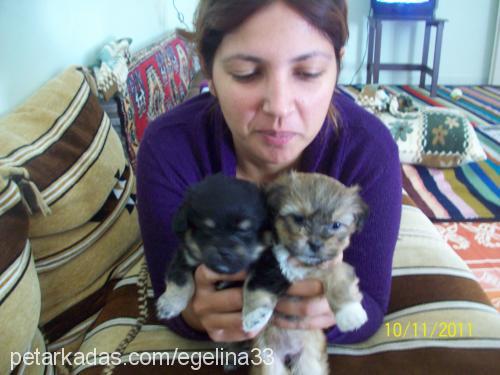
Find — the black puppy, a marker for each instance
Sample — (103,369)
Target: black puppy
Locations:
(221,223)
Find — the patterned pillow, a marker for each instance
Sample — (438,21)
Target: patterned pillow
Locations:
(66,143)
(434,137)
(19,286)
(158,80)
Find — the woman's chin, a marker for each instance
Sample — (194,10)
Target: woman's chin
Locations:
(281,157)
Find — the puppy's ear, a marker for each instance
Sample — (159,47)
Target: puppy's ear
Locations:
(180,220)
(361,213)
(359,208)
(275,193)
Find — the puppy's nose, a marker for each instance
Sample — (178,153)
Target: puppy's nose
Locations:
(315,245)
(219,254)
(226,253)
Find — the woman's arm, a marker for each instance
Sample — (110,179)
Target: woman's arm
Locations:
(158,196)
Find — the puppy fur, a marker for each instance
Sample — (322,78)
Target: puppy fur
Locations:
(221,223)
(314,217)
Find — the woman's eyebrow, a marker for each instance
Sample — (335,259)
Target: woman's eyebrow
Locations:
(257,60)
(311,55)
(242,56)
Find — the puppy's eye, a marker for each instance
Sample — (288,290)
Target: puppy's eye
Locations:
(209,223)
(244,225)
(336,225)
(298,219)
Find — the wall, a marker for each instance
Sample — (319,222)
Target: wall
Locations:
(39,38)
(466,53)
(494,77)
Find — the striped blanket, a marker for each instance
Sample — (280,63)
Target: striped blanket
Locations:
(467,193)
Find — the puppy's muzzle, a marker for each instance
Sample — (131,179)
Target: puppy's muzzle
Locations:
(315,246)
(223,259)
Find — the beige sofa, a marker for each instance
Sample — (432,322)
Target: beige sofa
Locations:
(73,276)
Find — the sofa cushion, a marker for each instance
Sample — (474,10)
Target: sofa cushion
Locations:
(158,80)
(19,285)
(73,265)
(431,287)
(53,250)
(66,331)
(36,367)
(65,141)
(126,325)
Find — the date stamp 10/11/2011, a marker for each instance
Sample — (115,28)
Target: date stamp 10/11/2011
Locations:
(440,329)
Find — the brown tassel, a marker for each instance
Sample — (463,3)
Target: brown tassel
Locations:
(31,196)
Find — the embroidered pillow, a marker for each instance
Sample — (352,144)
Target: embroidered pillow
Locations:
(434,137)
(158,80)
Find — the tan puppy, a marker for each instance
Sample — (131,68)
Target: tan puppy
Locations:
(314,218)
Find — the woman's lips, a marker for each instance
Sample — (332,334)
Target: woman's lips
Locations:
(276,138)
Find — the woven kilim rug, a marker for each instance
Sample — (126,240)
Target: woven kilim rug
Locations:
(469,193)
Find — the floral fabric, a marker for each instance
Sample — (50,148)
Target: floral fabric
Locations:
(434,137)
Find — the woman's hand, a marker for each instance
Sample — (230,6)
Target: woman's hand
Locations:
(218,312)
(305,306)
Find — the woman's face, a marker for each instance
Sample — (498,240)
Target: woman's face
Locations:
(274,77)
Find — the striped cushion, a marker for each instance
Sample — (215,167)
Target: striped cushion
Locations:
(431,288)
(65,141)
(67,330)
(122,316)
(74,265)
(19,285)
(39,367)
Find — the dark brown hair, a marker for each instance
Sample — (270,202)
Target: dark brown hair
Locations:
(215,18)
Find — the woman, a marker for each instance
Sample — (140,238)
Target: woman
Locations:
(272,69)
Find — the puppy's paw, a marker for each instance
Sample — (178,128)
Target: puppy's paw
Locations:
(351,316)
(257,318)
(172,301)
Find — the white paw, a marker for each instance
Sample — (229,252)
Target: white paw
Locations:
(351,316)
(173,301)
(166,308)
(256,319)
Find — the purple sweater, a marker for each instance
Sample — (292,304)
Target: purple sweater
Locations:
(192,141)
